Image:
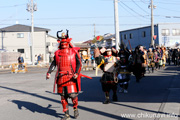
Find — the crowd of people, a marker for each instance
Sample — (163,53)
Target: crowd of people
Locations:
(118,66)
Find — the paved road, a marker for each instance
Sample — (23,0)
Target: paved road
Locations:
(28,96)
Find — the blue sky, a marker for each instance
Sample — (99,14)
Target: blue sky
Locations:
(78,16)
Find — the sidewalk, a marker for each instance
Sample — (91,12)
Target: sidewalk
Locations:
(172,109)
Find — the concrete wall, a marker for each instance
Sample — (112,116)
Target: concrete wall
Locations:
(7,58)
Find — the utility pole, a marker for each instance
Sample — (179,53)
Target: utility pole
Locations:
(2,39)
(152,23)
(31,8)
(94,30)
(116,20)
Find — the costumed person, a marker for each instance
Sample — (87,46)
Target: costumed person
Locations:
(68,62)
(169,55)
(145,63)
(124,68)
(156,60)
(138,61)
(164,56)
(151,63)
(160,53)
(105,59)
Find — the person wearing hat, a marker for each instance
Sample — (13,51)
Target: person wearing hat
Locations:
(151,63)
(124,68)
(105,59)
(138,61)
(68,76)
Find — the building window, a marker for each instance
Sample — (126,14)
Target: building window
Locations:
(20,35)
(143,33)
(125,36)
(54,44)
(131,36)
(108,43)
(176,32)
(121,37)
(165,32)
(21,50)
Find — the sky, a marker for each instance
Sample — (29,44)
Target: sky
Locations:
(83,17)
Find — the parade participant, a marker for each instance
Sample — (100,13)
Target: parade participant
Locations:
(160,53)
(177,54)
(106,61)
(178,60)
(156,60)
(163,56)
(169,56)
(173,55)
(123,69)
(138,61)
(145,63)
(68,62)
(151,63)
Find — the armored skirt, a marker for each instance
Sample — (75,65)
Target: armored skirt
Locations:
(107,82)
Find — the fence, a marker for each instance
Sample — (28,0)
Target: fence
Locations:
(8,58)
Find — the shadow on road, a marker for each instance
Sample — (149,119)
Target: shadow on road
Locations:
(153,88)
(50,111)
(36,108)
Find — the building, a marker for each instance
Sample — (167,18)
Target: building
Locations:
(84,49)
(107,41)
(166,34)
(17,38)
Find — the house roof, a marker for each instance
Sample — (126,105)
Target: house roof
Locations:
(144,27)
(52,36)
(109,37)
(88,41)
(22,28)
(82,45)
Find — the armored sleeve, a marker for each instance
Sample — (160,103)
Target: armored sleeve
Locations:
(52,66)
(78,64)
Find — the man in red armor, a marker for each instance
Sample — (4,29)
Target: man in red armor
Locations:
(68,64)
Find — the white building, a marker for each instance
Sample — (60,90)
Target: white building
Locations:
(107,41)
(17,38)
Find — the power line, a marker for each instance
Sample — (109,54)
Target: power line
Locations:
(12,6)
(103,17)
(147,2)
(139,7)
(82,24)
(133,10)
(173,3)
(168,9)
(128,11)
(77,17)
(144,2)
(86,24)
